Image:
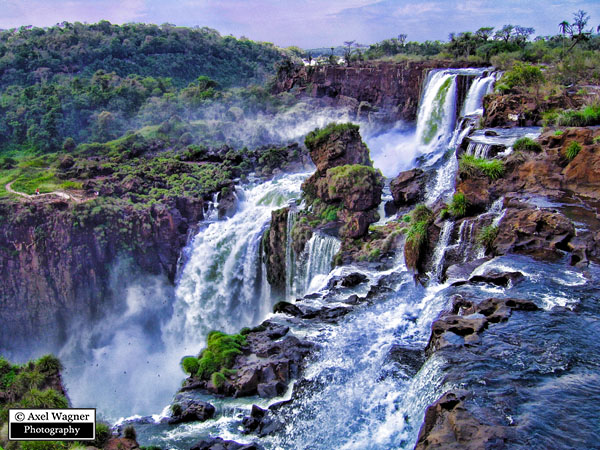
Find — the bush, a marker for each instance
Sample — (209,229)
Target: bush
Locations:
(486,236)
(470,165)
(218,379)
(129,432)
(559,133)
(527,144)
(572,150)
(522,75)
(586,117)
(49,364)
(220,353)
(190,365)
(176,409)
(103,434)
(458,206)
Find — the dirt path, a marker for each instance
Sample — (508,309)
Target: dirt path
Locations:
(60,194)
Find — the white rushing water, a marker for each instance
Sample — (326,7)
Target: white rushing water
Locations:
(222,285)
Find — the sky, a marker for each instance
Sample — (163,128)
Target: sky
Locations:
(309,23)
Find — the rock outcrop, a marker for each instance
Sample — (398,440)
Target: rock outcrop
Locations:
(274,248)
(59,261)
(408,188)
(374,91)
(269,361)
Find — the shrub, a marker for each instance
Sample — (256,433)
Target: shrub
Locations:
(486,236)
(219,353)
(458,206)
(176,409)
(190,365)
(572,150)
(470,165)
(527,144)
(588,116)
(559,133)
(47,398)
(129,432)
(218,379)
(522,75)
(49,364)
(103,434)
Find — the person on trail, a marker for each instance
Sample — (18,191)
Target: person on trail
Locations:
(37,191)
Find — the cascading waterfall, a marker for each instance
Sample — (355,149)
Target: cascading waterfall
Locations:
(315,260)
(222,287)
(478,149)
(479,88)
(437,112)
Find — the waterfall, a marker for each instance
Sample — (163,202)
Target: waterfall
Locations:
(437,111)
(437,264)
(315,260)
(479,88)
(478,149)
(222,285)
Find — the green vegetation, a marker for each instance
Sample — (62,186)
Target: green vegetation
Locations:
(215,361)
(470,166)
(521,75)
(416,235)
(572,150)
(320,135)
(559,133)
(129,432)
(486,237)
(527,144)
(351,177)
(30,385)
(458,206)
(585,117)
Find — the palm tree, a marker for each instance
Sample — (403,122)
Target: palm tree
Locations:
(564,27)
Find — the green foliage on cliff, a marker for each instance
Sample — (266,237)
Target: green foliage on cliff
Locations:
(527,144)
(470,165)
(320,135)
(458,206)
(351,177)
(486,237)
(521,75)
(30,385)
(416,235)
(572,150)
(219,354)
(585,117)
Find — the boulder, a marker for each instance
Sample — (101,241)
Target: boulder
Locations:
(221,444)
(408,187)
(194,411)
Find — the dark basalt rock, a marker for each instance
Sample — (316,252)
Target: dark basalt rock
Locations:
(329,315)
(408,187)
(220,444)
(194,411)
(493,277)
(410,359)
(448,424)
(466,320)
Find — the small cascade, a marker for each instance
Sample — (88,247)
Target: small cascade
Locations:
(437,264)
(479,88)
(315,260)
(290,255)
(479,149)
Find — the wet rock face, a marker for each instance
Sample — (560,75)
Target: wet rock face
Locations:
(448,424)
(274,247)
(340,148)
(380,91)
(464,323)
(538,233)
(268,363)
(193,411)
(57,259)
(221,444)
(408,188)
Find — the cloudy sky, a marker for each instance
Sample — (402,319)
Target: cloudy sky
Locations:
(308,23)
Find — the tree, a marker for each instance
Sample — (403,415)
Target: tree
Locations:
(577,28)
(564,28)
(402,38)
(505,33)
(348,51)
(522,34)
(484,33)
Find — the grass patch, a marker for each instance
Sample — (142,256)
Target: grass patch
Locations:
(416,235)
(470,166)
(527,144)
(458,206)
(585,117)
(320,135)
(572,150)
(486,236)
